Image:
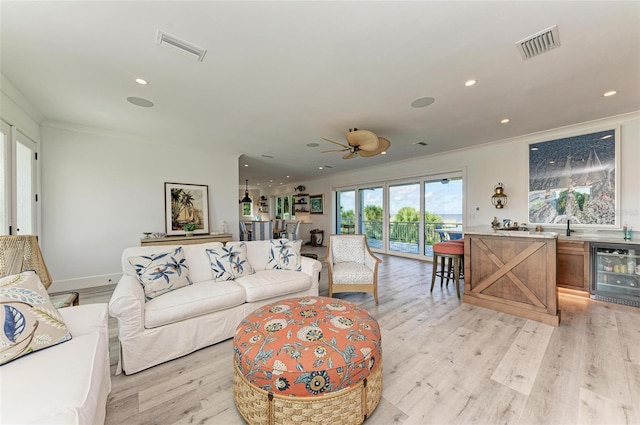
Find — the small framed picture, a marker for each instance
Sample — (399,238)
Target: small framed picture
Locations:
(186,203)
(317,204)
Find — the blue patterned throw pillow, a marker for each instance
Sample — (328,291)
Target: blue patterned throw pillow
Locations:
(230,262)
(161,273)
(284,255)
(28,319)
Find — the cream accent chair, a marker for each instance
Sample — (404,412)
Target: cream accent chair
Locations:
(352,266)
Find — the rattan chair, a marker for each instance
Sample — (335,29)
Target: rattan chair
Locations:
(20,253)
(352,266)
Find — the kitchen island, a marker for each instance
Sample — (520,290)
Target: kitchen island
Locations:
(512,271)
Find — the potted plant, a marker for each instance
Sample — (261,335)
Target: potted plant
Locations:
(189,228)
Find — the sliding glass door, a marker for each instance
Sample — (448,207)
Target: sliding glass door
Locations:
(403,217)
(370,215)
(345,211)
(442,211)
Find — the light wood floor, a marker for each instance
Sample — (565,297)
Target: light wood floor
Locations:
(444,363)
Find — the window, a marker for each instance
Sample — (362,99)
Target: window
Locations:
(17,182)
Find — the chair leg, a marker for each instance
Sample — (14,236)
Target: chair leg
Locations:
(443,260)
(456,275)
(434,271)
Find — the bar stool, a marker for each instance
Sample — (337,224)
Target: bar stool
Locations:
(452,251)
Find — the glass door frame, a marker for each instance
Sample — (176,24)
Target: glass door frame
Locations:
(421,179)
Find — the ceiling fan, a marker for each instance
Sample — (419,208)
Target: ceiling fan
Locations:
(361,143)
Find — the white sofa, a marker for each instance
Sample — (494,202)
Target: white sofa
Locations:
(204,313)
(64,384)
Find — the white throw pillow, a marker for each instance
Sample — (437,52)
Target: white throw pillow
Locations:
(29,320)
(230,261)
(162,272)
(284,255)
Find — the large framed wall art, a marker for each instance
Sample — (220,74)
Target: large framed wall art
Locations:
(575,178)
(186,203)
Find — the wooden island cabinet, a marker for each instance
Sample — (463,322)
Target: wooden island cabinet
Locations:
(573,265)
(513,272)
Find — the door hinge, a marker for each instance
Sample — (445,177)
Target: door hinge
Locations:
(36,154)
(36,197)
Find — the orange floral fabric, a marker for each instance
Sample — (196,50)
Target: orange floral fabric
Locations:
(307,346)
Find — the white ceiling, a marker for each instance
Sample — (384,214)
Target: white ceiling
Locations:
(279,75)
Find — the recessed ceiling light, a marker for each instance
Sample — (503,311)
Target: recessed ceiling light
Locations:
(610,93)
(552,162)
(246,165)
(271,180)
(280,182)
(506,120)
(534,149)
(608,136)
(421,102)
(141,81)
(288,176)
(383,153)
(470,83)
(320,167)
(138,101)
(313,145)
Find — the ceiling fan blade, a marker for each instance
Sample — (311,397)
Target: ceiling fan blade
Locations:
(337,143)
(384,145)
(350,155)
(366,140)
(336,150)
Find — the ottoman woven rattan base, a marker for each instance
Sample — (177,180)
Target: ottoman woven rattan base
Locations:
(308,360)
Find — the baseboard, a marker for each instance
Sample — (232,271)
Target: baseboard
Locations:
(83,283)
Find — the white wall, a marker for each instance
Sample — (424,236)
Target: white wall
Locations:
(100,191)
(503,161)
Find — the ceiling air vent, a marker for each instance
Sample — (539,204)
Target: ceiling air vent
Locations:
(180,46)
(539,43)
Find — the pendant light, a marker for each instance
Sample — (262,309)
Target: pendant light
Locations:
(246,199)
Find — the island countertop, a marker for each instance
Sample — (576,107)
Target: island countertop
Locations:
(489,231)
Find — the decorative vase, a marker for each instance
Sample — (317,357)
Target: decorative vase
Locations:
(188,234)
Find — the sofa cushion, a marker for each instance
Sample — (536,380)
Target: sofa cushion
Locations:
(266,284)
(28,319)
(191,301)
(62,385)
(284,255)
(258,254)
(161,272)
(230,262)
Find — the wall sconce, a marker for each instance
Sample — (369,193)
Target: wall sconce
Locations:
(499,199)
(246,199)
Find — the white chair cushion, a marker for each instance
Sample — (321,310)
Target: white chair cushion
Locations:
(347,249)
(191,301)
(60,385)
(273,283)
(352,273)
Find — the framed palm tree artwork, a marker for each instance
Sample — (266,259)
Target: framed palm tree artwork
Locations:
(184,204)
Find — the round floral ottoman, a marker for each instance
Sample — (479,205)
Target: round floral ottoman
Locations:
(307,360)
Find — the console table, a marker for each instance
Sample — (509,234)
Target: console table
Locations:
(186,240)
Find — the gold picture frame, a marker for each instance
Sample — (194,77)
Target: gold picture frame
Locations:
(186,203)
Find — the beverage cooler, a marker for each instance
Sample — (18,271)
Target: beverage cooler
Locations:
(615,273)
